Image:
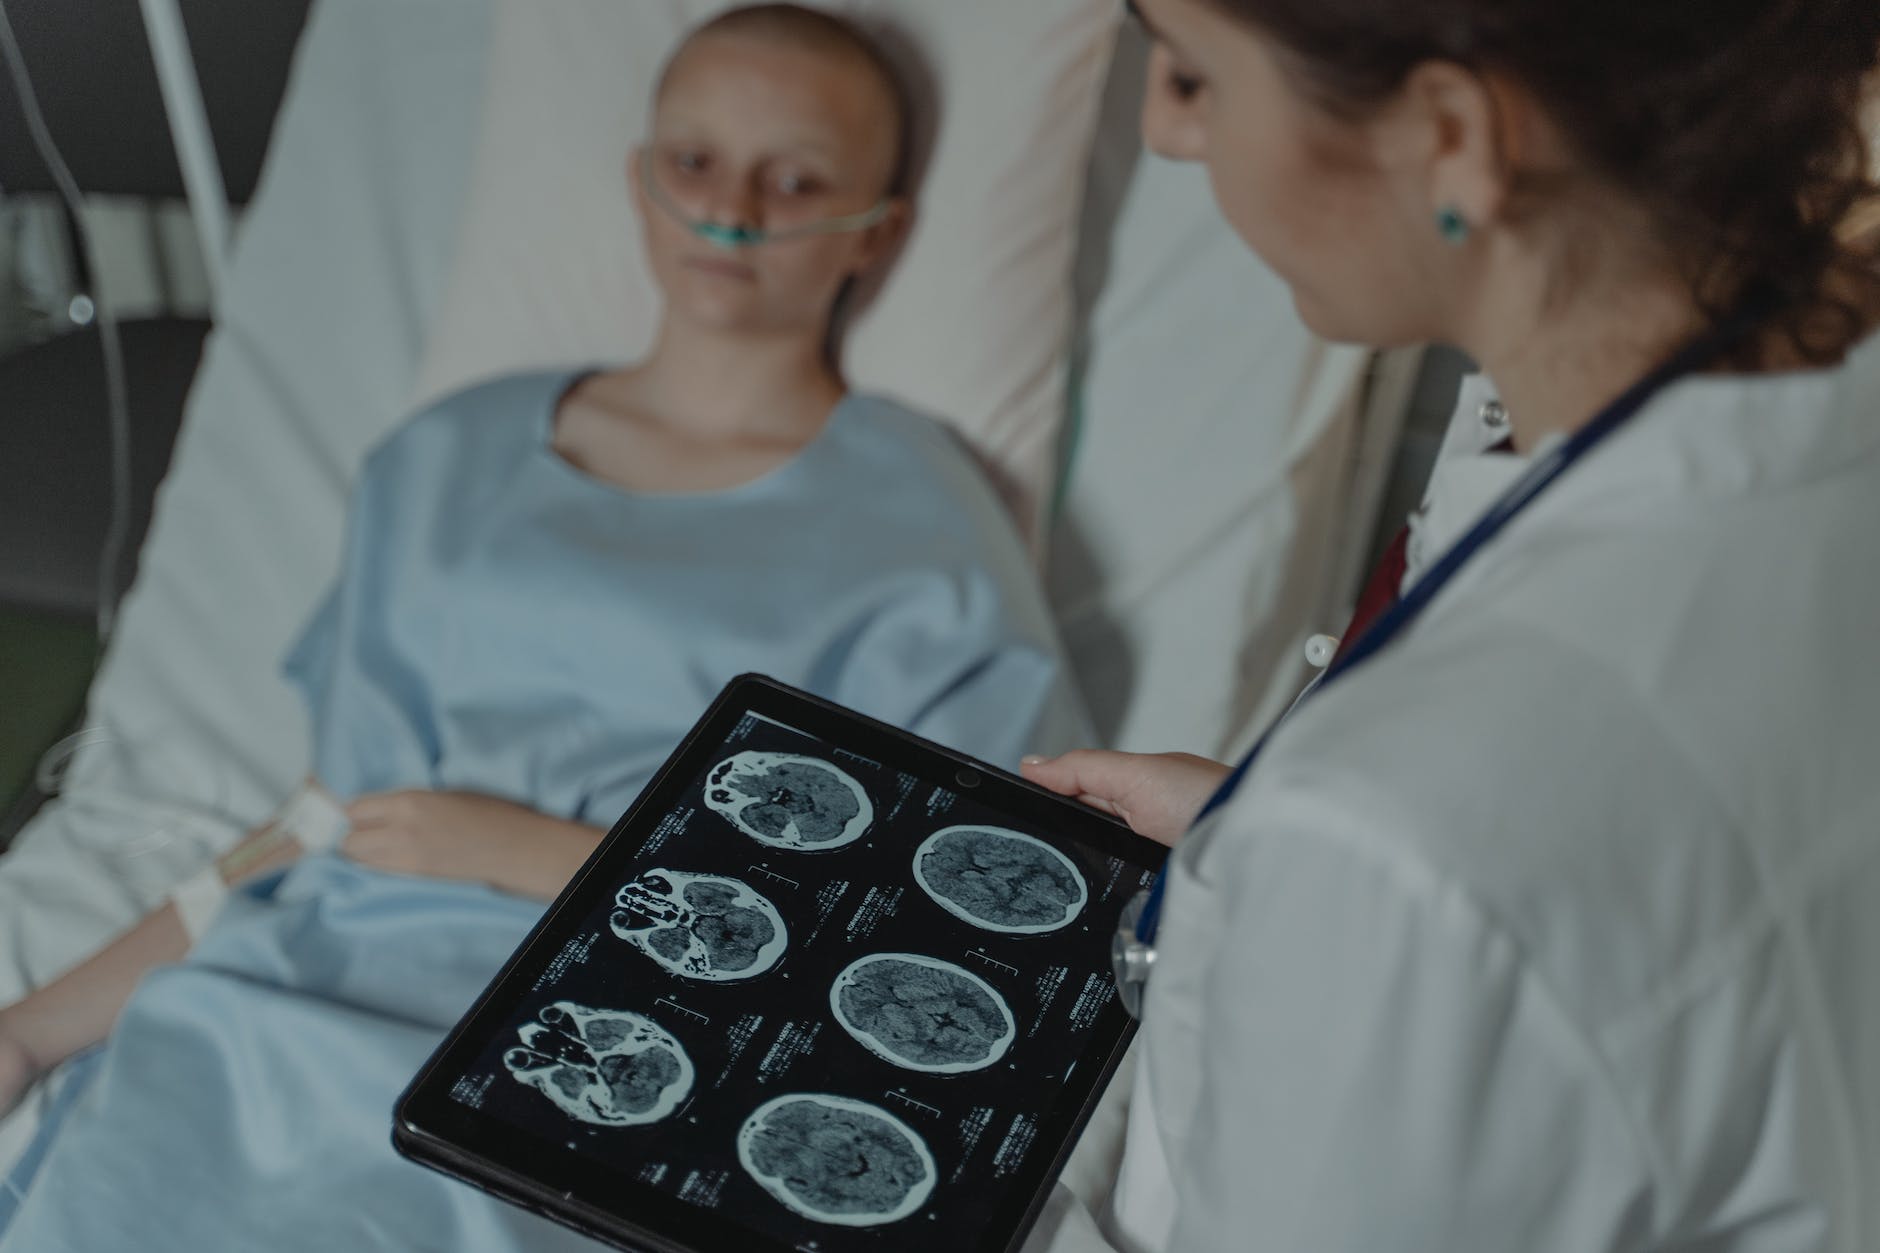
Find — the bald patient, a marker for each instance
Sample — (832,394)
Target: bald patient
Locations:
(546,579)
(777,115)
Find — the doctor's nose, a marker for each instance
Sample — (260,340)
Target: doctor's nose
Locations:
(1170,125)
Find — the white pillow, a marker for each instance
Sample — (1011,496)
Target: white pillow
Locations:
(1210,479)
(972,323)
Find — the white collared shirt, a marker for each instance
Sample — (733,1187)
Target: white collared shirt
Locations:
(1556,928)
(1468,475)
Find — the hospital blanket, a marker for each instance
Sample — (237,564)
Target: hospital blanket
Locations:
(506,624)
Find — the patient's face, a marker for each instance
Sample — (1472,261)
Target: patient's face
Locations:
(754,133)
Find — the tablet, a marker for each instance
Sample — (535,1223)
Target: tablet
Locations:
(827,986)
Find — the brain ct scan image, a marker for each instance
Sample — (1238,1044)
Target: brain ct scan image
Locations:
(823,988)
(603,1066)
(1000,880)
(837,1160)
(787,801)
(700,926)
(922,1013)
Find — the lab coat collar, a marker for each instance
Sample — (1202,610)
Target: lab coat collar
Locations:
(1709,435)
(1466,478)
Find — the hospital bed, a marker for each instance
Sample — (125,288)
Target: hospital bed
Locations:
(1212,496)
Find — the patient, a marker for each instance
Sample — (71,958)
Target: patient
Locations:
(546,579)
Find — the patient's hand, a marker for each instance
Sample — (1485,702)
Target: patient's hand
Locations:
(18,1070)
(463,835)
(1157,794)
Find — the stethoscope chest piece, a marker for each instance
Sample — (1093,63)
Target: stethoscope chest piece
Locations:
(1131,957)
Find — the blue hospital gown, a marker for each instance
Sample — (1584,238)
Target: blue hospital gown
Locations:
(507,624)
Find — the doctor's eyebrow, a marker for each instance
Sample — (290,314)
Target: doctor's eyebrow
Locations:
(1136,14)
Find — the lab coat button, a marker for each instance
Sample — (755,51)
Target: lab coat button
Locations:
(1494,415)
(1320,650)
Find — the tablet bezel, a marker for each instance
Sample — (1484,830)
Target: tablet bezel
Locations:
(432,1128)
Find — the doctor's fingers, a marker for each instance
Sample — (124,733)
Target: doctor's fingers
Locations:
(1157,794)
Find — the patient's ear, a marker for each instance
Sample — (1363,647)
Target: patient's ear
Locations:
(877,250)
(881,243)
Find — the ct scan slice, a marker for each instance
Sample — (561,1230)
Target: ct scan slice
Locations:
(609,1067)
(1000,880)
(788,801)
(837,1160)
(700,926)
(922,1013)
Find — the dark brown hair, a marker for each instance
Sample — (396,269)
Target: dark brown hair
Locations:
(1736,123)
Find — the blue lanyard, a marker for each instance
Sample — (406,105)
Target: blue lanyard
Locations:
(1388,625)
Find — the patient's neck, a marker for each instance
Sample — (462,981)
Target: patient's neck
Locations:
(739,386)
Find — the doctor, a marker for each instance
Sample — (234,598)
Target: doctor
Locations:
(1550,922)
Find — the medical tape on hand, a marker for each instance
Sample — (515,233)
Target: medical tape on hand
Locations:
(198,899)
(315,818)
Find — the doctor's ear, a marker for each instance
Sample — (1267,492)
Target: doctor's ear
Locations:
(1459,135)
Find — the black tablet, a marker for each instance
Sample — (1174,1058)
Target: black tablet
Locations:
(826,986)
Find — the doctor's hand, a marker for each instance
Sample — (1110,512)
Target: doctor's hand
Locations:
(1157,794)
(464,835)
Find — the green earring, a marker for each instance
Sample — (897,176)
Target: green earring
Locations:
(1450,223)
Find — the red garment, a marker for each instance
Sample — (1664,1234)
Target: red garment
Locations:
(1380,590)
(1385,585)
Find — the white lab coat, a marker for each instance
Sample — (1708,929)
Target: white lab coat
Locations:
(1556,927)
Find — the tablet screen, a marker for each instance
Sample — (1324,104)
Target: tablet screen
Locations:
(831,1000)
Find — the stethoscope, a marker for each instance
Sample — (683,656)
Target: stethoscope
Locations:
(1132,951)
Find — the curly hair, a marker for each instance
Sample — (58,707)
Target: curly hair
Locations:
(1737,124)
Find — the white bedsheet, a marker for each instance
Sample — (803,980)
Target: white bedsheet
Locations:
(333,279)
